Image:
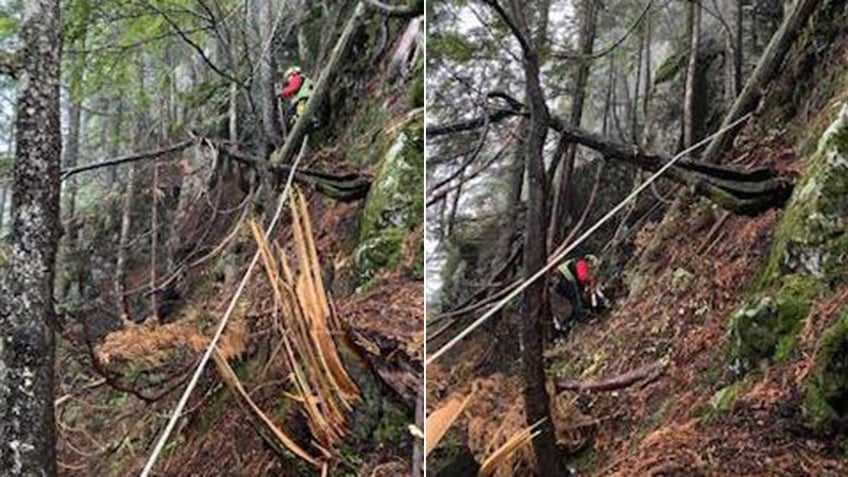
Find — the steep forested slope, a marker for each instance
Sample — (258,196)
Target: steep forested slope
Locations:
(723,350)
(174,163)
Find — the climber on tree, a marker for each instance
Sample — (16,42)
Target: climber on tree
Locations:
(297,88)
(577,284)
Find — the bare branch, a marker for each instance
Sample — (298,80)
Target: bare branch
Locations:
(128,158)
(413,9)
(609,49)
(646,373)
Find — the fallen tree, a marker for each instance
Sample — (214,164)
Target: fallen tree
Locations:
(738,190)
(344,187)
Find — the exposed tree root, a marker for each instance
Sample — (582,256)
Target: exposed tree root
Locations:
(645,374)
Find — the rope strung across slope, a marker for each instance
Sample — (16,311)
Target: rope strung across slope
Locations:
(172,422)
(561,255)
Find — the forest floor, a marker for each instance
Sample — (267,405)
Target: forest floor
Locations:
(107,431)
(697,418)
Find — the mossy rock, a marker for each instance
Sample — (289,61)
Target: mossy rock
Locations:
(807,257)
(812,237)
(765,327)
(826,389)
(395,203)
(669,68)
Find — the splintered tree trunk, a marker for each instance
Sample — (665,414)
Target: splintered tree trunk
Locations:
(766,68)
(535,303)
(27,316)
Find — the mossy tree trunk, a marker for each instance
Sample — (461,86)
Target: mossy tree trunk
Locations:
(27,316)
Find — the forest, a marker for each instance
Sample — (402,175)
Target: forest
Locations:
(636,237)
(211,237)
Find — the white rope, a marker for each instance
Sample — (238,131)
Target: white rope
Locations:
(172,422)
(558,257)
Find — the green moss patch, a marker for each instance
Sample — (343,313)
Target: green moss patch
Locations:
(766,326)
(812,236)
(826,389)
(807,258)
(395,204)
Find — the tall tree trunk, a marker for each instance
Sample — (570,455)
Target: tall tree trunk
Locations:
(535,300)
(116,127)
(122,301)
(27,316)
(154,238)
(3,193)
(267,100)
(691,114)
(586,43)
(233,113)
(733,42)
(70,259)
(766,68)
(138,141)
(516,185)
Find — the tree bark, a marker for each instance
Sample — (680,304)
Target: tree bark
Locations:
(516,185)
(116,127)
(267,99)
(691,115)
(27,316)
(586,41)
(766,68)
(535,303)
(3,194)
(71,153)
(154,238)
(138,139)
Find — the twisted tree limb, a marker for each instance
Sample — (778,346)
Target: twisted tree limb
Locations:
(735,189)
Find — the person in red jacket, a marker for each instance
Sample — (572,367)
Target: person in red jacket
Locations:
(295,93)
(578,284)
